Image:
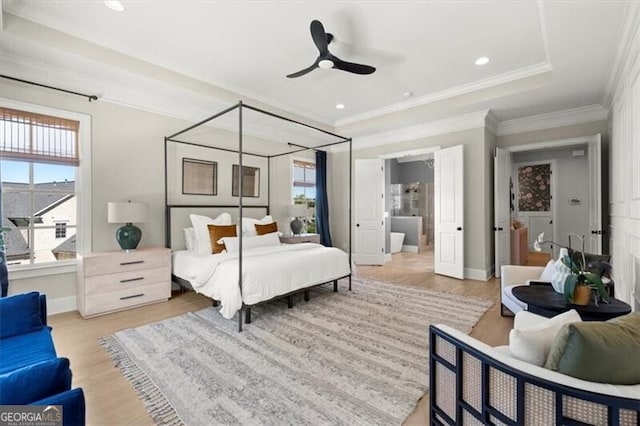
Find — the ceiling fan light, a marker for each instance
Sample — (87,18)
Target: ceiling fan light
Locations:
(325,64)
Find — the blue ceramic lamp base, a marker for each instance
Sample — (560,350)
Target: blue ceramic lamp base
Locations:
(128,236)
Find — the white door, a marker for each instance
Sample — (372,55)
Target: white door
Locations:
(595,231)
(369,202)
(449,212)
(502,208)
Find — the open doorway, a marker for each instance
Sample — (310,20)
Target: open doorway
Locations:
(574,191)
(409,210)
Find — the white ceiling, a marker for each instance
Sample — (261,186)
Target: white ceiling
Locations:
(545,56)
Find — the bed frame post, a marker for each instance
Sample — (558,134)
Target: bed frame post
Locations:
(350,213)
(240,187)
(240,319)
(335,286)
(306,295)
(247,318)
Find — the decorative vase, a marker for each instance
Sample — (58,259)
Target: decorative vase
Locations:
(581,295)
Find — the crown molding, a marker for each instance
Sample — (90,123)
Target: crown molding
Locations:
(628,48)
(439,127)
(551,120)
(486,83)
(491,122)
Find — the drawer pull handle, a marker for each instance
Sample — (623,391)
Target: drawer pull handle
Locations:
(132,279)
(135,262)
(133,296)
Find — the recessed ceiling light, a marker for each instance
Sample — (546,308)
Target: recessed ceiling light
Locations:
(340,106)
(114,5)
(483,60)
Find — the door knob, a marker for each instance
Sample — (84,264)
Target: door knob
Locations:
(459,228)
(594,232)
(357,224)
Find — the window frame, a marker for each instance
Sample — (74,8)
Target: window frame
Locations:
(82,189)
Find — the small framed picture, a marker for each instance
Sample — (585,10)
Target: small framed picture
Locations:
(250,181)
(199,177)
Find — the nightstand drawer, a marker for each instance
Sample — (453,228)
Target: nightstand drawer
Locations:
(126,280)
(122,299)
(116,262)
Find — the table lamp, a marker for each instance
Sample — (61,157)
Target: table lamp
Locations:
(129,235)
(297,211)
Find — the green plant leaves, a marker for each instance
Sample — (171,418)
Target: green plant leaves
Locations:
(569,287)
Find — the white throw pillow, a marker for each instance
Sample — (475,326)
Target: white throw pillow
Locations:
(203,241)
(266,240)
(549,271)
(190,239)
(249,225)
(532,344)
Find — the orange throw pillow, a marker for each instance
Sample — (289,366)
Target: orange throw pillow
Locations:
(266,229)
(220,231)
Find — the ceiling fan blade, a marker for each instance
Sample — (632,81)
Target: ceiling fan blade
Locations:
(319,37)
(351,67)
(304,71)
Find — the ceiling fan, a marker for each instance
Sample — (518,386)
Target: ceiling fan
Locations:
(326,60)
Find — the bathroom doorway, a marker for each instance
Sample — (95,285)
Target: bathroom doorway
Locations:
(409,207)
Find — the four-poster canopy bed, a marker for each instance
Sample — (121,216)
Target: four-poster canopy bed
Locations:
(251,270)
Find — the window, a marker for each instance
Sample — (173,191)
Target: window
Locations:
(304,189)
(61,230)
(38,186)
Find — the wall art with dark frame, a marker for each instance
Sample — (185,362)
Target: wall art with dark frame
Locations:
(199,177)
(250,181)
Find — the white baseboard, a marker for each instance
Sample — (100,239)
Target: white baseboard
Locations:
(410,249)
(387,257)
(478,274)
(61,304)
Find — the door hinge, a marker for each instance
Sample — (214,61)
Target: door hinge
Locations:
(383,249)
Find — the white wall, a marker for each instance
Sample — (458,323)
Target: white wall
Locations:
(624,185)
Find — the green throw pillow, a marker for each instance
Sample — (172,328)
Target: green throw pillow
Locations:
(604,352)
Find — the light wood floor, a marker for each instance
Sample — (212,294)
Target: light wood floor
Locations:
(110,399)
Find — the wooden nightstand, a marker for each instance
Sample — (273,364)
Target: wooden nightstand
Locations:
(117,280)
(302,238)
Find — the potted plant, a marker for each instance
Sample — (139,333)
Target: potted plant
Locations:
(579,283)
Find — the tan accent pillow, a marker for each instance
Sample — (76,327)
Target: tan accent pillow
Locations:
(603,352)
(266,229)
(216,232)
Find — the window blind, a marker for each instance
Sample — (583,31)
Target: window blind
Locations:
(38,137)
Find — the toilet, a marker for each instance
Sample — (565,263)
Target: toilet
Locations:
(397,239)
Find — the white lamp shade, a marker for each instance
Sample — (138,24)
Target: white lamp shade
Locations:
(127,212)
(297,210)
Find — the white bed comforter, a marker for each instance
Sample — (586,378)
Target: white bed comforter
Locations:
(267,272)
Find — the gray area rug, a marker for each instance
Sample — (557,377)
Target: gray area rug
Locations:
(353,358)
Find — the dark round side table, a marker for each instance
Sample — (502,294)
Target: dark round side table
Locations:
(544,300)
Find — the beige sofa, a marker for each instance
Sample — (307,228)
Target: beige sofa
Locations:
(473,383)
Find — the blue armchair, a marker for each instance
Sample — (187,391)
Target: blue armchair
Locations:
(30,371)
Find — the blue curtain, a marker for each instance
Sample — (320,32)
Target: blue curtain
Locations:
(322,205)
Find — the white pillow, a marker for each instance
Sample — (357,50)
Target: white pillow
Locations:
(249,225)
(549,271)
(532,344)
(266,240)
(203,241)
(190,239)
